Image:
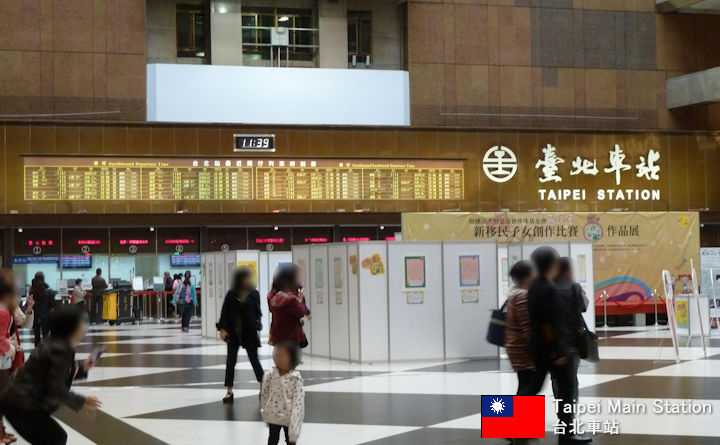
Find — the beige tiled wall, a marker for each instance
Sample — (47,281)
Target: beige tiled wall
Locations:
(73,56)
(587,64)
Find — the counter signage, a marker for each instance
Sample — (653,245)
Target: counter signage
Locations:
(500,164)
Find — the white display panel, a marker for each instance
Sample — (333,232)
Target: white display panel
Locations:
(415,300)
(301,258)
(470,289)
(205,300)
(373,325)
(502,268)
(338,301)
(353,286)
(582,256)
(318,300)
(209,292)
(221,287)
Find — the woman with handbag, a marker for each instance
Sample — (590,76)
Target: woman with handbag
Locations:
(517,330)
(288,307)
(574,302)
(240,321)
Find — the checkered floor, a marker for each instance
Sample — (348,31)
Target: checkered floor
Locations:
(159,385)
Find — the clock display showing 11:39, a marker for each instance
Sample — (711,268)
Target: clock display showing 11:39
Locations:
(254,142)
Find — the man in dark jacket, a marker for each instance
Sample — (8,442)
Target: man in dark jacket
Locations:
(573,302)
(548,338)
(99,285)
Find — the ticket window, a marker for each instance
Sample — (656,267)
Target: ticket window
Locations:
(37,250)
(226,238)
(84,251)
(179,251)
(132,255)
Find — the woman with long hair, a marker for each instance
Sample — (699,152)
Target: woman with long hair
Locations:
(185,300)
(240,321)
(43,297)
(286,301)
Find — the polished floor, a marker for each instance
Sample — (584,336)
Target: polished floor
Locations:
(161,386)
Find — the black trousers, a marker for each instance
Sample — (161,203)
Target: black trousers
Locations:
(187,313)
(274,438)
(232,353)
(528,383)
(37,427)
(574,363)
(40,326)
(564,381)
(96,308)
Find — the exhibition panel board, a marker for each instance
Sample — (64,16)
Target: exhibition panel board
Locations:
(415,300)
(338,302)
(318,300)
(470,288)
(301,258)
(368,280)
(207,297)
(582,255)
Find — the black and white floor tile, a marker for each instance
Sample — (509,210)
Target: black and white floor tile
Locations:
(161,386)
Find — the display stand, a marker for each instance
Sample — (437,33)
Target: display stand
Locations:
(338,301)
(701,317)
(318,300)
(415,290)
(368,323)
(672,321)
(469,288)
(301,258)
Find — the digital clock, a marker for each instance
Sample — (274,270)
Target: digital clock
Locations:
(254,142)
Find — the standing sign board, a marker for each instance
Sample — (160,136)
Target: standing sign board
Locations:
(667,281)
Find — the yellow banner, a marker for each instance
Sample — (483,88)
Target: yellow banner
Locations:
(630,249)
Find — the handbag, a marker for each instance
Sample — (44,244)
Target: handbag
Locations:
(587,343)
(496,329)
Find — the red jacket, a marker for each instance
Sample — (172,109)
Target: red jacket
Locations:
(287,312)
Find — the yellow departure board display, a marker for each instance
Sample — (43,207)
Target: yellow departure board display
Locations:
(48,178)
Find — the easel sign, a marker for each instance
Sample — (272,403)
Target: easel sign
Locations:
(696,294)
(670,307)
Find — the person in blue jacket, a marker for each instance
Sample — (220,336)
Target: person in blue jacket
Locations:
(185,299)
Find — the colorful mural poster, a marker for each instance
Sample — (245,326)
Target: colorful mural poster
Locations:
(353,260)
(374,264)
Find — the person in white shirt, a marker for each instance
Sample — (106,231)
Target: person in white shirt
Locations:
(282,397)
(78,294)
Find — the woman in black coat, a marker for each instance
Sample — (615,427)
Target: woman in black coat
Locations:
(240,321)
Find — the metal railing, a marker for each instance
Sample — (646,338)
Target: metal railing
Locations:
(310,50)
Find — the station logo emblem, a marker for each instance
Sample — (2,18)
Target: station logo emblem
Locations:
(37,250)
(500,163)
(133,249)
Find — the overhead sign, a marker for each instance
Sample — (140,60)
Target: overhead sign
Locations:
(102,178)
(500,164)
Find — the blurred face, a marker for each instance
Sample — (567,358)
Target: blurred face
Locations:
(554,269)
(527,282)
(282,359)
(187,275)
(79,333)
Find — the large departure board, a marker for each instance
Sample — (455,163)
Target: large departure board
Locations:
(76,178)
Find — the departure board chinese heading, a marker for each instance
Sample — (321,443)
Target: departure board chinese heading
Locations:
(52,178)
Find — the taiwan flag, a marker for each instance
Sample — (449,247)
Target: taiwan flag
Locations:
(517,417)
